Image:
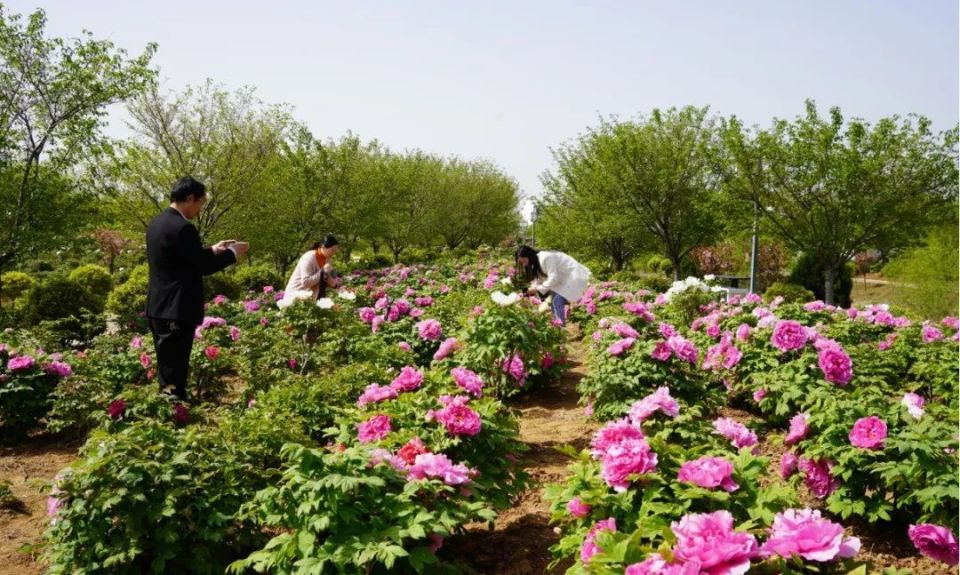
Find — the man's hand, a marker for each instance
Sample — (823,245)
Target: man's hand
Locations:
(219,247)
(240,248)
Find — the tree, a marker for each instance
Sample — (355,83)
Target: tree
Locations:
(226,140)
(53,98)
(660,169)
(409,182)
(834,188)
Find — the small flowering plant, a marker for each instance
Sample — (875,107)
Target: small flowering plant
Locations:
(28,381)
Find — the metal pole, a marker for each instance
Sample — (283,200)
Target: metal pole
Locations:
(753,249)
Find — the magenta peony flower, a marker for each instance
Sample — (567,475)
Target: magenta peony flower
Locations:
(888,342)
(661,351)
(212,352)
(234,333)
(684,349)
(743,332)
(459,419)
(788,464)
(21,363)
(612,434)
(817,476)
(439,466)
(430,329)
(513,366)
(639,309)
(590,548)
(117,409)
(136,342)
(659,400)
(789,335)
(373,429)
(376,323)
(709,540)
(468,380)
(447,347)
(835,364)
(425,301)
(798,429)
(145,360)
(375,393)
(667,330)
(409,452)
(738,434)
(251,306)
(410,378)
(913,403)
(930,334)
(709,472)
(805,533)
(578,508)
(58,368)
(936,542)
(625,459)
(181,415)
(621,345)
(868,433)
(546,362)
(656,565)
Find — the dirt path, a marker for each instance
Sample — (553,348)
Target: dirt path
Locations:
(28,467)
(520,542)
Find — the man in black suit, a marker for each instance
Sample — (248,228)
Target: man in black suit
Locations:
(178,262)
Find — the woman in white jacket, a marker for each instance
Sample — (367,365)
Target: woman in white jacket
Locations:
(554,273)
(313,274)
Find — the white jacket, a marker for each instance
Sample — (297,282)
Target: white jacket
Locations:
(305,281)
(565,275)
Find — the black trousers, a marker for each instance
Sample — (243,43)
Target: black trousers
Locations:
(173,342)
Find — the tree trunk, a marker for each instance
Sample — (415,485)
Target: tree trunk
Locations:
(829,274)
(396,254)
(675,260)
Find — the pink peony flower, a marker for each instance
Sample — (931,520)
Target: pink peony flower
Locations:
(212,352)
(58,368)
(373,429)
(21,363)
(667,330)
(439,466)
(930,334)
(404,346)
(367,314)
(467,380)
(425,301)
(624,330)
(759,395)
(546,362)
(684,349)
(798,429)
(430,329)
(709,472)
(657,565)
(738,434)
(659,400)
(513,366)
(136,342)
(251,305)
(888,342)
(292,363)
(936,542)
(804,533)
(376,323)
(817,476)
(709,540)
(380,455)
(639,309)
(409,452)
(234,333)
(410,379)
(788,464)
(743,332)
(661,351)
(621,345)
(578,508)
(913,403)
(590,548)
(459,419)
(835,364)
(625,459)
(789,335)
(375,393)
(612,434)
(447,347)
(868,433)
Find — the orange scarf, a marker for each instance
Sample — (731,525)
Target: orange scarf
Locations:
(321,259)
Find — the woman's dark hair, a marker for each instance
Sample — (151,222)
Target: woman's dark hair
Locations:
(532,270)
(328,242)
(185,187)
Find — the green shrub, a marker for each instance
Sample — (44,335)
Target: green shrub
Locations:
(929,274)
(128,301)
(659,265)
(59,297)
(221,284)
(791,293)
(254,277)
(95,279)
(808,272)
(16,284)
(26,392)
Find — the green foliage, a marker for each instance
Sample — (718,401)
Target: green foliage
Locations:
(929,274)
(255,277)
(95,279)
(659,265)
(809,272)
(26,392)
(222,284)
(128,301)
(16,284)
(791,293)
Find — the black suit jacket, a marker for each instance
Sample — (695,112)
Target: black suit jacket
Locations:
(178,262)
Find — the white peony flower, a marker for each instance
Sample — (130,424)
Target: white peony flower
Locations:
(503,299)
(709,277)
(507,281)
(543,307)
(324,303)
(347,295)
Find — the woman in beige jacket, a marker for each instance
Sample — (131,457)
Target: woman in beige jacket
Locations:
(313,274)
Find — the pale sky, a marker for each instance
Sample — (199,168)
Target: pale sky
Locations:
(506,81)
